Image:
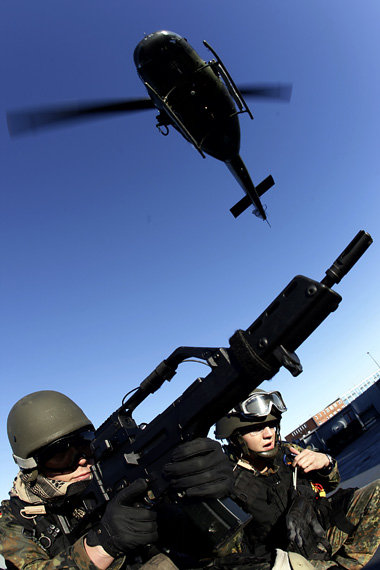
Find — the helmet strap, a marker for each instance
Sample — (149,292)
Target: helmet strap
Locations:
(234,448)
(244,449)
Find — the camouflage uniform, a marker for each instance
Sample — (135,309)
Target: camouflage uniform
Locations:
(354,550)
(21,552)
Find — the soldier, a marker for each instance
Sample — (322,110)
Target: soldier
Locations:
(50,437)
(284,488)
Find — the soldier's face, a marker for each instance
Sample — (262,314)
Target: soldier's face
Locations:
(68,458)
(80,473)
(262,438)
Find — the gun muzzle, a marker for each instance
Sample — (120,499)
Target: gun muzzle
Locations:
(347,258)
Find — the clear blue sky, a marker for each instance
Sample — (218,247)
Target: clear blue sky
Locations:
(117,244)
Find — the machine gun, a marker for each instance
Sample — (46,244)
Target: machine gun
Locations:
(124,451)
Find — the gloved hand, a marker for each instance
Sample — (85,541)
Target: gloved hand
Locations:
(306,535)
(199,468)
(124,527)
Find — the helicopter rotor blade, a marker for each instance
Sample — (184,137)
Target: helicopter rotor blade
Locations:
(20,122)
(280,92)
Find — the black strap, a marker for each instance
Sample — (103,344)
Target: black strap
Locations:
(42,529)
(340,502)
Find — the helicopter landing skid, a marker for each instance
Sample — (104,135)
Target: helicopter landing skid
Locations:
(229,82)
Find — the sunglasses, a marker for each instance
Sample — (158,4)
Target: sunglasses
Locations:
(62,456)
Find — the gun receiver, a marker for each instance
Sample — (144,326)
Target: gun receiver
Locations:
(124,451)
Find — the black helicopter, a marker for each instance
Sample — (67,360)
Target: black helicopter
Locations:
(198,98)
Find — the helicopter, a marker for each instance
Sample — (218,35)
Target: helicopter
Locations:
(198,98)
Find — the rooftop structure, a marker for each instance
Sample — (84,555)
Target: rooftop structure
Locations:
(334,408)
(349,396)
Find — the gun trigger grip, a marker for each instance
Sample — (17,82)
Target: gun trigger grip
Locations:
(288,360)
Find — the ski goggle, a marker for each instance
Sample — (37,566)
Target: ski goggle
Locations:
(63,455)
(260,404)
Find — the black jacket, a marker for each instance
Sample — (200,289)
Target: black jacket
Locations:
(267,498)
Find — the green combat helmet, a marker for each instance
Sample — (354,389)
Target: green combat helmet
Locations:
(39,419)
(260,407)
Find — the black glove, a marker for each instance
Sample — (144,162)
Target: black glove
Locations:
(199,468)
(305,533)
(124,527)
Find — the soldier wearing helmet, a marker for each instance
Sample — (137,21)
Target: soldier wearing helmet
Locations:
(253,427)
(283,487)
(51,439)
(41,426)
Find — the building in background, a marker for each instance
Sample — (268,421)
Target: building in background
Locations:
(349,396)
(333,435)
(302,430)
(329,411)
(334,408)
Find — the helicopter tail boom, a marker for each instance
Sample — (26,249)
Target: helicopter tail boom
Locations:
(253,193)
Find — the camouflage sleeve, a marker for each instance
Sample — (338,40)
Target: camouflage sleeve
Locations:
(23,552)
(329,481)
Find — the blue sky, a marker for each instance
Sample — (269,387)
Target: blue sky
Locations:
(117,244)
